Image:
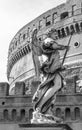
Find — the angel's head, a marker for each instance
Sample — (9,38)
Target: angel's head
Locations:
(48,41)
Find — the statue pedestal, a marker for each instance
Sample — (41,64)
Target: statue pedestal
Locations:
(44,127)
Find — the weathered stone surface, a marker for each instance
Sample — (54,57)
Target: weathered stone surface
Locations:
(4,89)
(19,88)
(44,127)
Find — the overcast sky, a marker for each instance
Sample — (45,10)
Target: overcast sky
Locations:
(14,14)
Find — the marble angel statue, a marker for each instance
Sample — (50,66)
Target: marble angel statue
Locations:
(45,94)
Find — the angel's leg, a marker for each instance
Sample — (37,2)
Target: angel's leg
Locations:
(51,91)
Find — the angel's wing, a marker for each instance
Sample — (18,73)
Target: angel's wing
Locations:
(36,52)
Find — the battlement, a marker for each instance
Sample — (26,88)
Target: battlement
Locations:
(19,89)
(15,108)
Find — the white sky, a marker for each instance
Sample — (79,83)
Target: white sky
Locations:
(14,14)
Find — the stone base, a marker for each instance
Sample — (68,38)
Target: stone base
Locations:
(44,127)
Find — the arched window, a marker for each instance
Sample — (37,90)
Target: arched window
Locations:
(19,55)
(59,34)
(67,113)
(26,48)
(5,114)
(64,15)
(24,51)
(77,113)
(48,20)
(24,36)
(22,114)
(16,43)
(67,30)
(63,32)
(30,114)
(72,29)
(13,47)
(77,27)
(58,112)
(14,114)
(29,48)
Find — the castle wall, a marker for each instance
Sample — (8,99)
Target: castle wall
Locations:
(22,70)
(64,18)
(17,108)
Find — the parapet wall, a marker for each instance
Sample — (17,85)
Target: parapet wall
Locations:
(15,108)
(18,108)
(19,89)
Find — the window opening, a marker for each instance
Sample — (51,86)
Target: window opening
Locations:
(48,20)
(67,113)
(73,9)
(59,34)
(54,17)
(64,15)
(72,29)
(67,30)
(77,27)
(77,113)
(63,32)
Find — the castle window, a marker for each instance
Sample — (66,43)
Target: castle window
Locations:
(22,114)
(77,113)
(26,49)
(3,103)
(73,9)
(59,34)
(58,112)
(16,43)
(40,24)
(67,113)
(64,15)
(13,47)
(76,44)
(72,28)
(21,52)
(10,49)
(67,30)
(19,38)
(54,17)
(24,36)
(14,114)
(33,24)
(5,114)
(28,30)
(77,27)
(48,20)
(63,32)
(29,48)
(30,114)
